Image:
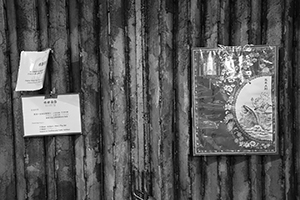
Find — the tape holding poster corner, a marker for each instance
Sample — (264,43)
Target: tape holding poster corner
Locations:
(32,70)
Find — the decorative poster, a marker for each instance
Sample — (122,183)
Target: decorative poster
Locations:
(234,100)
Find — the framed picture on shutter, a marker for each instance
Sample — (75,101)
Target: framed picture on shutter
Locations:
(234,100)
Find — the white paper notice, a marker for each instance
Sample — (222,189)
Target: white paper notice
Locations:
(51,116)
(32,70)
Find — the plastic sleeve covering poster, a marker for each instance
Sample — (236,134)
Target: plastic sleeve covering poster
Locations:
(234,100)
(32,70)
(51,116)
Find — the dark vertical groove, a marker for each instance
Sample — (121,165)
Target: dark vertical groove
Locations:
(262,184)
(289,167)
(231,24)
(47,82)
(111,82)
(174,127)
(70,89)
(10,108)
(100,115)
(230,172)
(146,96)
(159,68)
(296,42)
(127,81)
(260,40)
(38,29)
(100,112)
(127,92)
(264,21)
(218,171)
(249,3)
(190,45)
(203,24)
(175,143)
(203,15)
(76,66)
(250,196)
(69,69)
(201,43)
(264,8)
(146,177)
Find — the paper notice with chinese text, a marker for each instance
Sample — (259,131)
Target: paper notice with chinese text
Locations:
(51,116)
(32,70)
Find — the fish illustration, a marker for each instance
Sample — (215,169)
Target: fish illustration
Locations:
(250,118)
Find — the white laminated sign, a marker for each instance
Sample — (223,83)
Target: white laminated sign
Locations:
(57,115)
(32,70)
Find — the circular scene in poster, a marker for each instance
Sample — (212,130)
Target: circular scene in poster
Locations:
(253,108)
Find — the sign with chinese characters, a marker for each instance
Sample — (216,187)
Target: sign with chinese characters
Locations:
(234,92)
(51,116)
(32,70)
